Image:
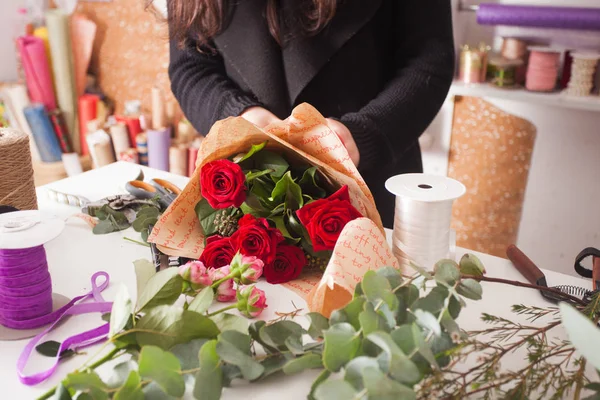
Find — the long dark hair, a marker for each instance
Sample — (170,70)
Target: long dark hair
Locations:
(202,20)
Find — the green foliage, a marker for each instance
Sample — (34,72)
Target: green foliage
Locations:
(162,288)
(209,378)
(121,311)
(163,368)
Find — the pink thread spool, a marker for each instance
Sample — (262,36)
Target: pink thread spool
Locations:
(542,73)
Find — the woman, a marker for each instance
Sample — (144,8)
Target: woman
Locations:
(379,70)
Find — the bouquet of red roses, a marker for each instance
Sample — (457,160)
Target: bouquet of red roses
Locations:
(260,204)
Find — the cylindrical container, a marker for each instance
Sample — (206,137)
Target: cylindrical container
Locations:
(505,72)
(133,126)
(100,148)
(72,164)
(37,71)
(514,49)
(422,218)
(542,72)
(185,131)
(43,133)
(470,67)
(159,115)
(159,142)
(120,138)
(582,74)
(17,188)
(178,160)
(60,128)
(192,157)
(88,111)
(141,142)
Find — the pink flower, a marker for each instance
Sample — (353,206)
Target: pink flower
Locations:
(225,292)
(247,268)
(251,301)
(195,273)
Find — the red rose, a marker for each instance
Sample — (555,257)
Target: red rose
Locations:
(288,264)
(218,252)
(223,184)
(325,219)
(255,237)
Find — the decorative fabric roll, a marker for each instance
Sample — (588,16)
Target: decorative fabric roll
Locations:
(159,142)
(17,187)
(43,133)
(178,160)
(100,148)
(120,138)
(542,72)
(88,111)
(37,70)
(192,157)
(159,112)
(133,127)
(141,142)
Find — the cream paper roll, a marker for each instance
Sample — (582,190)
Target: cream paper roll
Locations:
(178,160)
(100,148)
(159,115)
(120,138)
(17,99)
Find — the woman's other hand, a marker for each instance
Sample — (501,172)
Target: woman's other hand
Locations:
(259,116)
(347,139)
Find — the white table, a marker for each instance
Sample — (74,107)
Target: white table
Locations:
(77,253)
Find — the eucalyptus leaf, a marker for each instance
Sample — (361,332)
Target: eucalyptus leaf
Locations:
(163,368)
(318,323)
(335,390)
(162,288)
(349,313)
(323,376)
(433,302)
(143,222)
(428,321)
(61,393)
(231,322)
(277,334)
(209,379)
(120,312)
(377,288)
(424,349)
(393,276)
(274,363)
(230,353)
(380,387)
(132,389)
(371,321)
(447,271)
(88,382)
(144,270)
(202,301)
(103,227)
(470,288)
(409,294)
(353,372)
(341,345)
(254,331)
(187,353)
(400,367)
(471,265)
(307,361)
(120,373)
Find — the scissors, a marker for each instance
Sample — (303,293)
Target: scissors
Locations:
(162,190)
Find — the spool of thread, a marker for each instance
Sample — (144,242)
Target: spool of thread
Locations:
(423,214)
(120,138)
(514,49)
(178,160)
(142,148)
(17,188)
(88,111)
(192,157)
(100,148)
(133,127)
(470,66)
(582,74)
(159,112)
(159,142)
(505,72)
(542,72)
(43,133)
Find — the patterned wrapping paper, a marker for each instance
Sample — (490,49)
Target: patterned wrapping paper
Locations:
(490,153)
(305,138)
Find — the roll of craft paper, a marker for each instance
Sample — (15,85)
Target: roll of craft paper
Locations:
(88,111)
(192,157)
(159,115)
(43,133)
(185,131)
(72,164)
(141,142)
(120,138)
(159,142)
(100,148)
(83,32)
(58,123)
(178,156)
(133,126)
(37,71)
(539,17)
(42,33)
(16,100)
(59,32)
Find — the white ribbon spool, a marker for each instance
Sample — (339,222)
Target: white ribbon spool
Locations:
(422,233)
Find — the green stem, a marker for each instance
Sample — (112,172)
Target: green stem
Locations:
(48,394)
(231,307)
(136,241)
(217,283)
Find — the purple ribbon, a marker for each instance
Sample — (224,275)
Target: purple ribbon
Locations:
(82,340)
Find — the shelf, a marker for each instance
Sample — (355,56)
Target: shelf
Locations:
(557,99)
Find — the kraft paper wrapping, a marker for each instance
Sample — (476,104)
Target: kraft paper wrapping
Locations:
(62,63)
(305,136)
(83,33)
(490,152)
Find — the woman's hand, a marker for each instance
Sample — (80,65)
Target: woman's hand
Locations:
(259,116)
(347,139)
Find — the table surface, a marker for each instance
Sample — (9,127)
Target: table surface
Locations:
(77,253)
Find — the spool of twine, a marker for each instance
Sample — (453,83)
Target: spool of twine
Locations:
(17,187)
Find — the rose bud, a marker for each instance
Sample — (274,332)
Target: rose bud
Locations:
(251,301)
(247,269)
(224,292)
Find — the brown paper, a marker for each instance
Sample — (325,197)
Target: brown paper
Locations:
(178,232)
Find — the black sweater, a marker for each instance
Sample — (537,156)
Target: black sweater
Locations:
(382,67)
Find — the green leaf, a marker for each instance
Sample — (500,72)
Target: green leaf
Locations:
(349,313)
(323,376)
(400,367)
(377,288)
(470,288)
(335,390)
(446,271)
(202,301)
(50,349)
(62,393)
(393,276)
(428,321)
(409,294)
(307,361)
(433,302)
(250,176)
(371,321)
(163,368)
(120,312)
(280,224)
(230,353)
(380,387)
(163,288)
(274,364)
(309,184)
(353,373)
(282,334)
(120,373)
(341,345)
(209,379)
(141,224)
(132,389)
(253,150)
(231,322)
(269,160)
(254,331)
(318,323)
(206,215)
(471,265)
(103,227)
(582,332)
(144,270)
(288,191)
(166,326)
(88,382)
